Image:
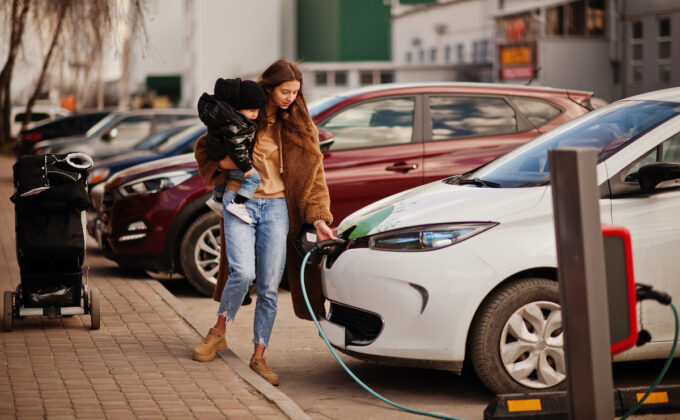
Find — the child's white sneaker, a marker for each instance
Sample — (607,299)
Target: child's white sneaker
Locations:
(215,206)
(240,211)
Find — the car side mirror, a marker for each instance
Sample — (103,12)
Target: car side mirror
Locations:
(112,134)
(325,139)
(650,176)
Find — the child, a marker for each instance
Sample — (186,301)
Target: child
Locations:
(229,115)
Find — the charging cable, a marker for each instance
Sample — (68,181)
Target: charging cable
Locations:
(646,292)
(349,372)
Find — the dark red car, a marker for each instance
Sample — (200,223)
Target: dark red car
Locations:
(377,141)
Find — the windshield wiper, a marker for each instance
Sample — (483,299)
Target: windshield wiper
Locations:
(478,182)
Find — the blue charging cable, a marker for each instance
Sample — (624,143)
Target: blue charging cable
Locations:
(349,372)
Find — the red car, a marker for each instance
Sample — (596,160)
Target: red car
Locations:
(377,141)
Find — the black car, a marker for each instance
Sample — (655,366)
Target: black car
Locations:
(71,125)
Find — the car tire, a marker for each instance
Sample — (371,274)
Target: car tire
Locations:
(199,253)
(517,338)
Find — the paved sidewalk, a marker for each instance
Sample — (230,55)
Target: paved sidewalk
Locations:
(137,365)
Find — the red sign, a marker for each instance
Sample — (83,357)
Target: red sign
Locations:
(522,72)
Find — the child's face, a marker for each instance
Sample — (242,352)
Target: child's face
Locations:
(250,114)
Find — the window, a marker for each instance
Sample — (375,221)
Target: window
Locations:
(576,18)
(475,52)
(664,50)
(456,116)
(340,78)
(366,78)
(35,116)
(636,53)
(538,112)
(421,55)
(595,16)
(484,51)
(165,120)
(321,78)
(555,21)
(460,53)
(371,124)
(386,77)
(134,127)
(409,56)
(433,55)
(447,54)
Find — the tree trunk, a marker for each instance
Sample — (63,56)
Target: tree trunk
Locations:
(19,14)
(46,64)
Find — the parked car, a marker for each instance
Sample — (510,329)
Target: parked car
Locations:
(464,269)
(117,131)
(376,141)
(39,112)
(177,139)
(70,125)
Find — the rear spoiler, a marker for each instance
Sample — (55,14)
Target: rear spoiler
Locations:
(582,98)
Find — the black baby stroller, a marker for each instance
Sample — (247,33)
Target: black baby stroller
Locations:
(50,199)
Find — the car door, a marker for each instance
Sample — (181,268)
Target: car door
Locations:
(375,152)
(654,225)
(463,132)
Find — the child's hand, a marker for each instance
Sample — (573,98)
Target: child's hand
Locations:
(227,163)
(248,174)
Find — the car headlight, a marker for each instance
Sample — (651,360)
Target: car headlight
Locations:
(155,183)
(427,238)
(98,175)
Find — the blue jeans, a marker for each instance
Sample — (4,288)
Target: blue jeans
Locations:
(257,250)
(248,184)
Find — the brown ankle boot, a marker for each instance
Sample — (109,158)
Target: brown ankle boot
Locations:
(260,367)
(213,342)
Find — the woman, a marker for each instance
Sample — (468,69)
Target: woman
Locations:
(292,192)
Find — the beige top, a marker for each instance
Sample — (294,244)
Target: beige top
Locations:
(267,162)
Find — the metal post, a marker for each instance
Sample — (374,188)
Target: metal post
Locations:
(583,288)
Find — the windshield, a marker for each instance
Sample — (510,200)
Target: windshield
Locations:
(95,129)
(157,139)
(181,138)
(318,106)
(607,130)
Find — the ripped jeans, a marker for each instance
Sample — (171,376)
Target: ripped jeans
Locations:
(257,250)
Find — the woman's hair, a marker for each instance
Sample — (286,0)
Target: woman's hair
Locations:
(294,120)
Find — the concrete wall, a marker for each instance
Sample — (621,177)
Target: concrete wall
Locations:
(576,64)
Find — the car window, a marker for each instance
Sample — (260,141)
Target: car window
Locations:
(371,124)
(537,111)
(135,127)
(165,120)
(457,116)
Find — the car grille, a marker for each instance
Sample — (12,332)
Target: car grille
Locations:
(362,327)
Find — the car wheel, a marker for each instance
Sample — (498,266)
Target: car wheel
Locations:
(517,339)
(200,253)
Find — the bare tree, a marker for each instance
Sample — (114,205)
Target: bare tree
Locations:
(86,24)
(17,19)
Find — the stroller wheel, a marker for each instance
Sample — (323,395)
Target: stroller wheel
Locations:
(8,311)
(95,315)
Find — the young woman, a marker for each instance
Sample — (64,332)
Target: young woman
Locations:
(292,192)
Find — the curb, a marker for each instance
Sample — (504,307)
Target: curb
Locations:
(282,401)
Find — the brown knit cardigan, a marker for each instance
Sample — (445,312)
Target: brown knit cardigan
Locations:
(307,199)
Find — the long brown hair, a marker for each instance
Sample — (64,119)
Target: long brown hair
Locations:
(295,120)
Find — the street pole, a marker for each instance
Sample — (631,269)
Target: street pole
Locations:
(583,288)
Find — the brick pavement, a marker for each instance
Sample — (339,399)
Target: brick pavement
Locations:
(137,365)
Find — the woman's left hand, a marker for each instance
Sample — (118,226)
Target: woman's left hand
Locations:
(323,232)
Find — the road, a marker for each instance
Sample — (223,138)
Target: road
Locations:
(311,376)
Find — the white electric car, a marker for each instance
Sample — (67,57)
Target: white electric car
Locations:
(465,268)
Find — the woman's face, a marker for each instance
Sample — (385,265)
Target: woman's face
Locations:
(284,94)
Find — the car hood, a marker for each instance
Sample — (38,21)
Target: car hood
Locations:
(185,161)
(440,202)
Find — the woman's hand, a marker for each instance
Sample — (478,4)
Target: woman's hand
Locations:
(248,174)
(323,232)
(227,163)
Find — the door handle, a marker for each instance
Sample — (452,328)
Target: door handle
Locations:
(402,167)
